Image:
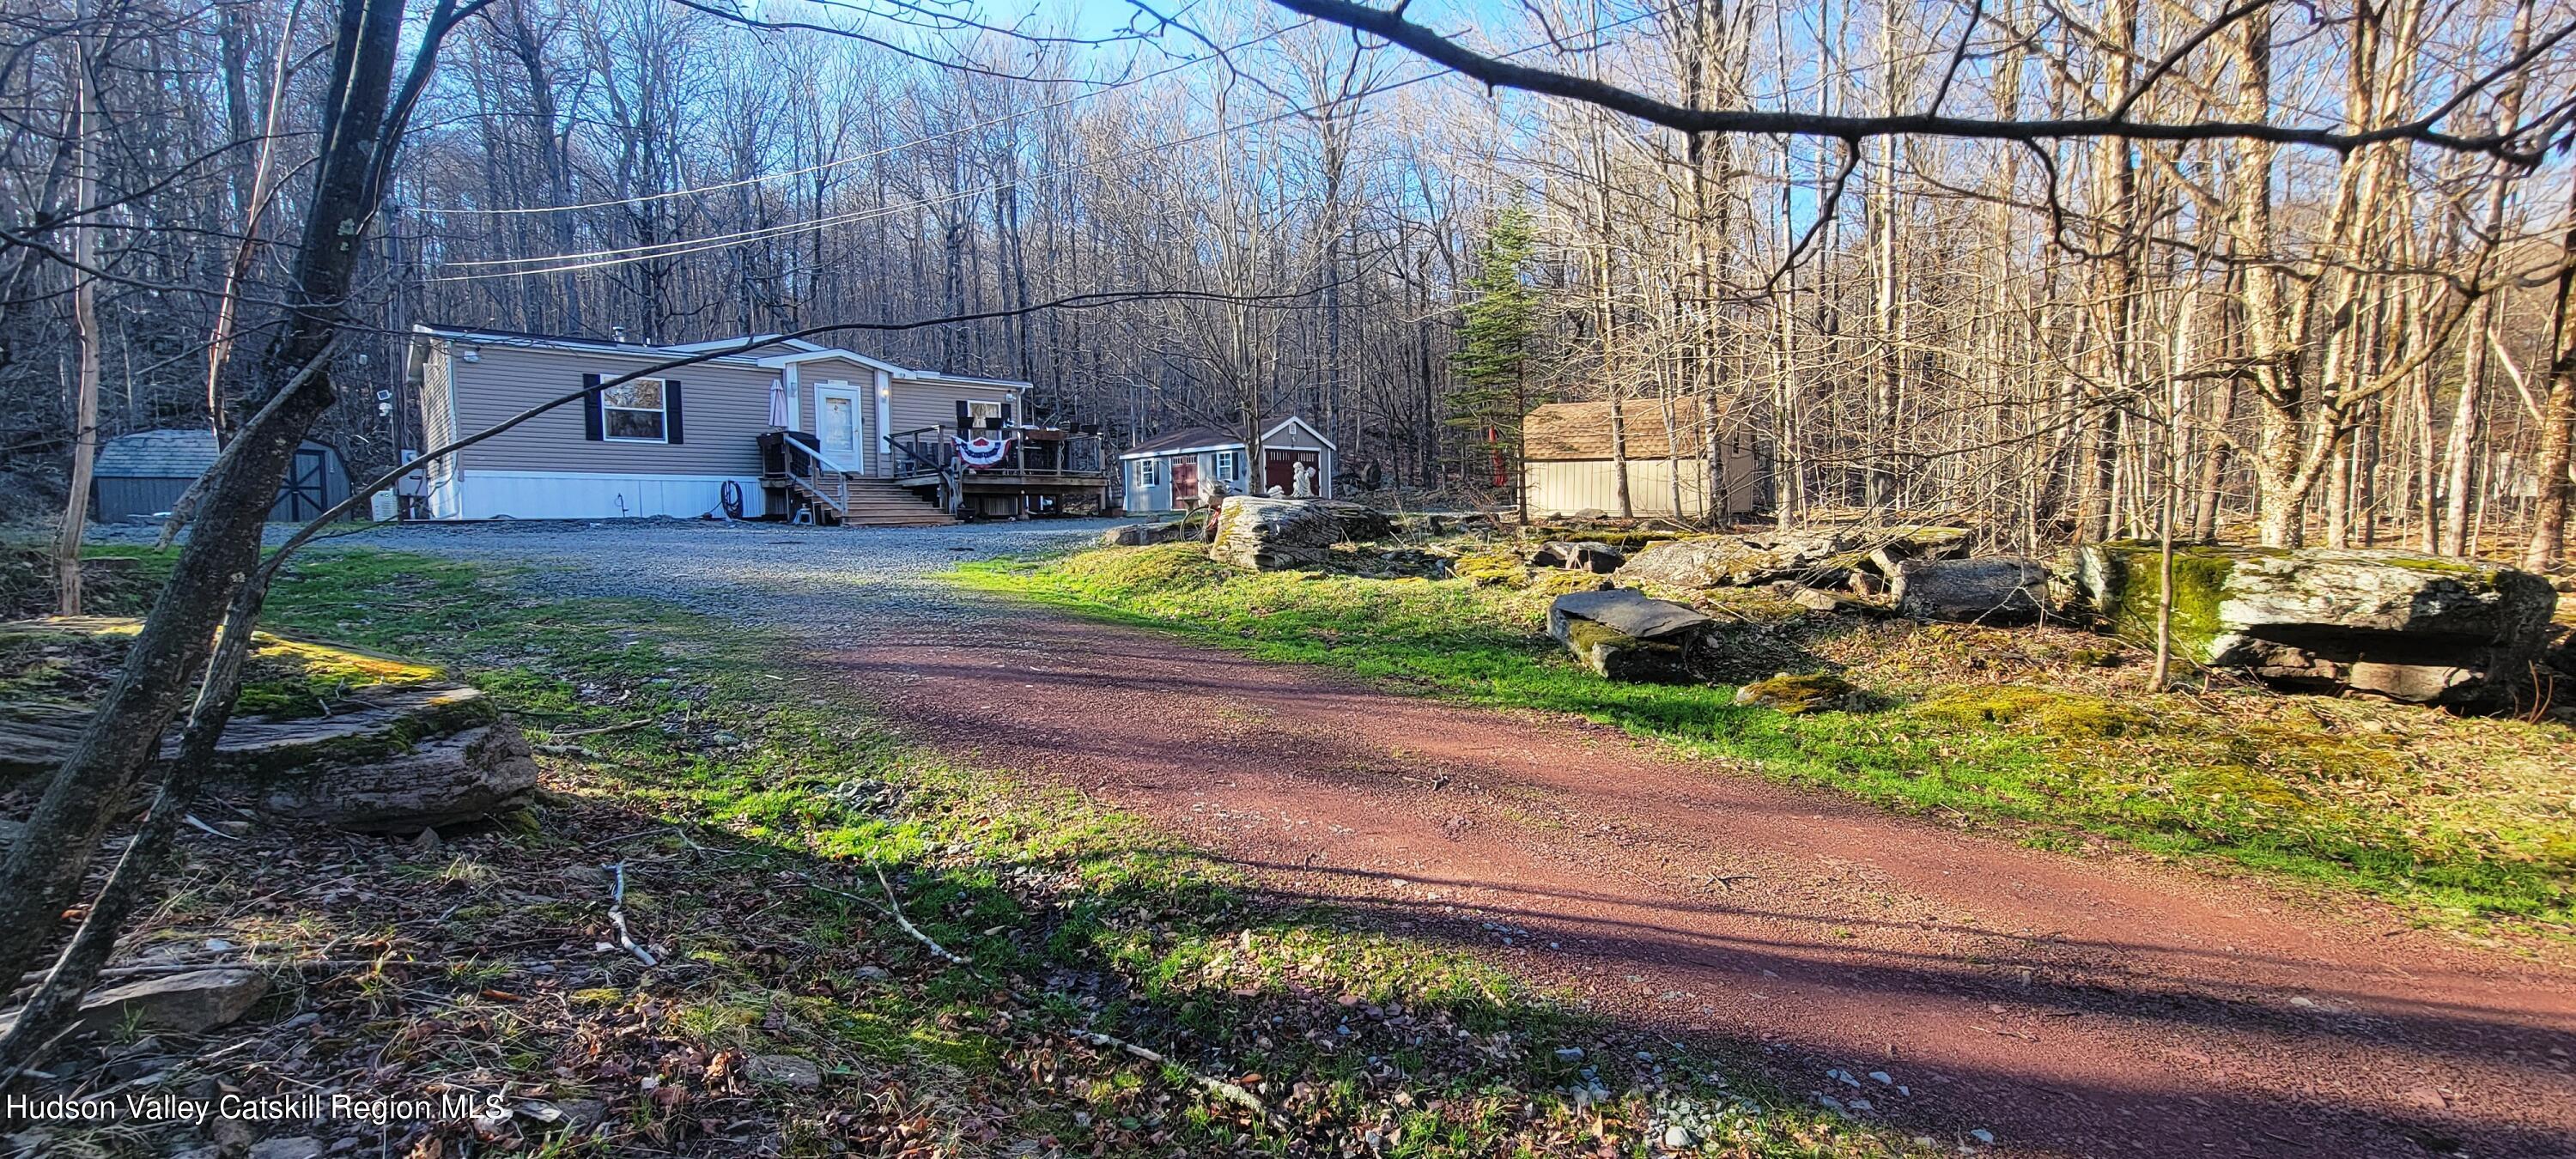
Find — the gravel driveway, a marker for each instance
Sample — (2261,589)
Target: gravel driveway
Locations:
(806,578)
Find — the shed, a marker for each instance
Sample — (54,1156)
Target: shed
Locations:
(1164,473)
(143,474)
(1573,471)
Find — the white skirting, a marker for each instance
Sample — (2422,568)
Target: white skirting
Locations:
(567,495)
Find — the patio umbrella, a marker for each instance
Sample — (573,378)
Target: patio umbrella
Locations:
(778,403)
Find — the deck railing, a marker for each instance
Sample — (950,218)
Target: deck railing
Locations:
(793,454)
(1036,451)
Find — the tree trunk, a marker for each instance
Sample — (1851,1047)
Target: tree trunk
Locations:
(67,546)
(48,861)
(2213,467)
(2557,417)
(1619,453)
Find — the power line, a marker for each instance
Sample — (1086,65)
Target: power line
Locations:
(855,158)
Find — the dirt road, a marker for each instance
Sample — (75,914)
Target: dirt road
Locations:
(2069,1004)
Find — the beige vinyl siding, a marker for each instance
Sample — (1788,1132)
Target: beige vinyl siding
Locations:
(724,409)
(1567,487)
(922,404)
(437,422)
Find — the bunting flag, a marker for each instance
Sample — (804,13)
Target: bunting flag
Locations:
(981,452)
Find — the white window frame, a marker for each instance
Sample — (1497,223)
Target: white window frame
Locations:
(1149,472)
(661,390)
(1228,465)
(977,412)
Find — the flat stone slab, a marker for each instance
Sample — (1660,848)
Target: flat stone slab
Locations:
(189,1003)
(1624,635)
(34,739)
(1629,613)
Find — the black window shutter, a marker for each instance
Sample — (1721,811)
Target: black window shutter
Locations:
(671,408)
(1006,414)
(591,426)
(965,416)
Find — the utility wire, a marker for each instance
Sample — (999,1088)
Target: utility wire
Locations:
(855,158)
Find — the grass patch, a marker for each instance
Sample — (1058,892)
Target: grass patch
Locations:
(2467,822)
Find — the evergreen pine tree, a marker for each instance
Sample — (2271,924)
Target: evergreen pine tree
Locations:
(1500,323)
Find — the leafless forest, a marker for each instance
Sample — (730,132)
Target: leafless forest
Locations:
(2359,338)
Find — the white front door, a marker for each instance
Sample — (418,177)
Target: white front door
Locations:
(836,424)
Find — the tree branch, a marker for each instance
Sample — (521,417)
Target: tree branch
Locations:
(1497,73)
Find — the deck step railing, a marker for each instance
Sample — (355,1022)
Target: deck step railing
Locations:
(850,495)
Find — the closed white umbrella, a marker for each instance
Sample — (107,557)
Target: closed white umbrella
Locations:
(778,403)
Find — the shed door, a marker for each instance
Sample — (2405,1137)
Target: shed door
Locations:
(1185,482)
(1279,469)
(305,493)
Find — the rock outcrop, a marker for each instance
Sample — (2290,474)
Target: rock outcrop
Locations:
(1994,590)
(1822,558)
(1582,555)
(1623,635)
(1273,534)
(2406,627)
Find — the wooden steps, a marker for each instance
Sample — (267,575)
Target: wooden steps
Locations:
(866,501)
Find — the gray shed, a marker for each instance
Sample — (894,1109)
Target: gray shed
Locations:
(143,474)
(1164,474)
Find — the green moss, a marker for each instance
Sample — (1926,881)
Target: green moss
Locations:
(1494,567)
(2136,584)
(2449,567)
(1623,540)
(70,661)
(1552,583)
(2035,710)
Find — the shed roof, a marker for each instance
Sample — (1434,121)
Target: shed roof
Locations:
(1581,430)
(1197,436)
(1203,436)
(173,454)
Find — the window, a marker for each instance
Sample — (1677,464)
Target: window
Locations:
(631,412)
(1225,466)
(977,412)
(1149,473)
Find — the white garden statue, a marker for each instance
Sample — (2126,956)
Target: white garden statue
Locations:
(1302,481)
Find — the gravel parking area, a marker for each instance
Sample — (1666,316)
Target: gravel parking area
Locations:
(809,578)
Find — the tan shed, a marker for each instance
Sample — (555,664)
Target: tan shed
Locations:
(1572,470)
